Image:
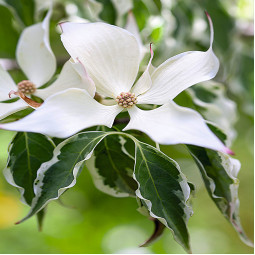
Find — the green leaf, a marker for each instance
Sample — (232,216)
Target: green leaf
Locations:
(108,13)
(25,10)
(17,115)
(156,34)
(59,174)
(158,4)
(164,189)
(141,13)
(112,167)
(8,33)
(27,152)
(219,172)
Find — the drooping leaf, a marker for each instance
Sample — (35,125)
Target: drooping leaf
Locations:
(219,172)
(27,152)
(164,190)
(59,174)
(111,168)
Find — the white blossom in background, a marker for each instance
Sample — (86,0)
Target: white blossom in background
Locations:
(132,27)
(122,7)
(37,61)
(111,56)
(213,109)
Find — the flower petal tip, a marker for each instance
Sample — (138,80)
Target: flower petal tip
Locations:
(60,24)
(12,92)
(207,14)
(151,50)
(209,19)
(228,151)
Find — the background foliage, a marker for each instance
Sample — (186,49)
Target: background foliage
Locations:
(104,224)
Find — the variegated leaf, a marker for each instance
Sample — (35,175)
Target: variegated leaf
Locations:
(164,190)
(27,151)
(111,168)
(219,172)
(59,174)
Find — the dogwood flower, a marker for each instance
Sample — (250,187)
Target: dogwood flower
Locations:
(37,61)
(111,57)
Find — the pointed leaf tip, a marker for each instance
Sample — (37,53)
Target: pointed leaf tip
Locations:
(168,205)
(60,172)
(158,231)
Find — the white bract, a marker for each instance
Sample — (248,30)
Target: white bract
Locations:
(111,56)
(37,61)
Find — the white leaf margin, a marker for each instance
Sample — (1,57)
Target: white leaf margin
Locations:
(38,183)
(98,180)
(232,167)
(185,189)
(9,176)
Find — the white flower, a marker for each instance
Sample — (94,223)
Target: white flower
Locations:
(37,61)
(111,57)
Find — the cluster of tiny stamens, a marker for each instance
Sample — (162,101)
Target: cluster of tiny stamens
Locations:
(126,99)
(26,87)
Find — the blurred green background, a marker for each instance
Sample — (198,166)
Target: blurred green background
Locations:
(88,221)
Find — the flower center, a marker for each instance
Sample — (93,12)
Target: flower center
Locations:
(26,87)
(126,99)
